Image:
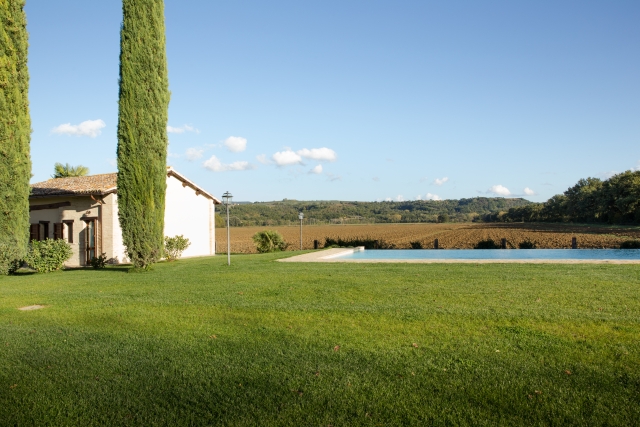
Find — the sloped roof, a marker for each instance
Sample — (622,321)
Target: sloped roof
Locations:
(99,185)
(78,185)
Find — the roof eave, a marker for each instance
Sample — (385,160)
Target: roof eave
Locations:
(187,181)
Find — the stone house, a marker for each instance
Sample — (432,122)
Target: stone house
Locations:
(84,212)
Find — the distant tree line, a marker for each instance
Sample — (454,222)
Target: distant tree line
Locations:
(592,200)
(340,212)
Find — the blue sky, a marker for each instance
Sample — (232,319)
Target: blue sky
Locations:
(355,100)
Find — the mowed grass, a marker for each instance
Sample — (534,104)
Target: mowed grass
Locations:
(263,343)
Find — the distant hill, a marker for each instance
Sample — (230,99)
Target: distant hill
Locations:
(285,212)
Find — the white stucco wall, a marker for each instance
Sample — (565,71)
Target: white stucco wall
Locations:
(192,216)
(118,250)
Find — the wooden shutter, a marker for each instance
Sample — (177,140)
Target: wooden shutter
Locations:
(34,232)
(57,231)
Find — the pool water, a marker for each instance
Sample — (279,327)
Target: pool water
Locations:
(586,254)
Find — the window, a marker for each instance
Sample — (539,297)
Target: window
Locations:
(45,230)
(69,225)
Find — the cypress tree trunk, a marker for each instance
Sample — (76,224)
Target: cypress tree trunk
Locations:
(142,130)
(15,134)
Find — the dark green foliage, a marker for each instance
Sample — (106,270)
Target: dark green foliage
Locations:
(630,244)
(443,217)
(48,255)
(174,246)
(614,201)
(99,262)
(66,170)
(416,245)
(15,135)
(269,241)
(486,244)
(367,242)
(142,130)
(527,244)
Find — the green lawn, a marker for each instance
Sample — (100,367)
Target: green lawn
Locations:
(265,343)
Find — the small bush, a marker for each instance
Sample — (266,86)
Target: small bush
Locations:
(487,244)
(174,246)
(269,241)
(416,245)
(99,262)
(630,244)
(443,218)
(527,244)
(48,255)
(368,243)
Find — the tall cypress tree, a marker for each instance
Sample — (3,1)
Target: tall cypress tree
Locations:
(15,134)
(142,130)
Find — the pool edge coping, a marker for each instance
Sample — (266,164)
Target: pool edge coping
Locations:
(332,256)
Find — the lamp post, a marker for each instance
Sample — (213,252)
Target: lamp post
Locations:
(227,199)
(300,217)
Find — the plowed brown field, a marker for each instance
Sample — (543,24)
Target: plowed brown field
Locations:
(450,236)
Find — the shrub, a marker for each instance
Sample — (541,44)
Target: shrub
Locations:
(486,244)
(630,244)
(527,244)
(368,243)
(416,245)
(443,217)
(269,241)
(48,255)
(174,246)
(99,262)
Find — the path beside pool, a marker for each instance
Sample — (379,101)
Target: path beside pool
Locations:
(333,255)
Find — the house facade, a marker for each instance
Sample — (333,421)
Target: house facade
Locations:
(84,212)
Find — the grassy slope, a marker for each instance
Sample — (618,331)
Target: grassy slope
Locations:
(494,345)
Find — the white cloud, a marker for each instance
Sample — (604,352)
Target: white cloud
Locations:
(440,181)
(286,158)
(194,154)
(236,143)
(113,162)
(316,170)
(399,198)
(172,155)
(529,192)
(215,165)
(418,197)
(90,128)
(182,129)
(388,199)
(333,177)
(430,196)
(499,190)
(321,154)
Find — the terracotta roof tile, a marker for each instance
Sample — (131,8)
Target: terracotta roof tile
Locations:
(81,185)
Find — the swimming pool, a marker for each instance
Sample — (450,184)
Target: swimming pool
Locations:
(489,254)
